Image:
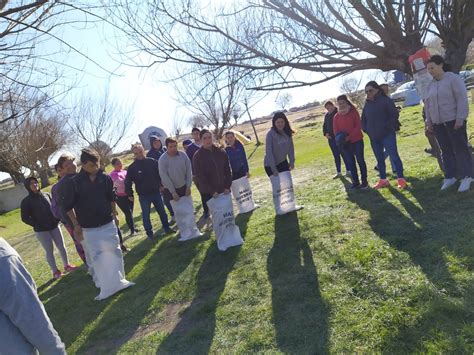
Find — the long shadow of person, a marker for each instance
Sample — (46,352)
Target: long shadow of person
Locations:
(300,314)
(123,318)
(242,220)
(195,330)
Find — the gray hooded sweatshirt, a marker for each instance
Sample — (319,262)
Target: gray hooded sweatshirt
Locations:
(25,327)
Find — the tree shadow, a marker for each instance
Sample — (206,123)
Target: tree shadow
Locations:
(195,330)
(437,226)
(122,320)
(300,314)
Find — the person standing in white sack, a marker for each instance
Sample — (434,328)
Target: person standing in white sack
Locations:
(240,187)
(177,177)
(280,158)
(89,199)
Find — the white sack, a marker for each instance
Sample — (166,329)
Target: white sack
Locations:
(223,222)
(283,193)
(105,259)
(242,192)
(184,215)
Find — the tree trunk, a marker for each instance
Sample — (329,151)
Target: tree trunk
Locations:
(456,50)
(43,175)
(253,126)
(17,177)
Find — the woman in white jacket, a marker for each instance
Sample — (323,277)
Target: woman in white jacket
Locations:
(447,108)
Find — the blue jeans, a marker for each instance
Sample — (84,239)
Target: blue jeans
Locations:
(145,204)
(353,152)
(389,143)
(386,155)
(337,154)
(455,152)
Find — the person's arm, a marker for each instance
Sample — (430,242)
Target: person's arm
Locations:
(20,303)
(189,172)
(291,154)
(164,174)
(26,213)
(356,126)
(392,114)
(269,153)
(462,102)
(200,175)
(364,121)
(244,157)
(129,182)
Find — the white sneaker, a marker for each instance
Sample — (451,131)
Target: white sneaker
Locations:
(465,184)
(447,183)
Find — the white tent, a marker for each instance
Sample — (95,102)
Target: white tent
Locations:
(152,131)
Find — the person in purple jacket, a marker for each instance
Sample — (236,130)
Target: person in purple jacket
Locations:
(237,157)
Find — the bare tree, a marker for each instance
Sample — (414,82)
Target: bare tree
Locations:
(351,87)
(274,38)
(283,100)
(198,121)
(177,126)
(101,124)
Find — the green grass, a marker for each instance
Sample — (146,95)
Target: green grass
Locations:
(367,271)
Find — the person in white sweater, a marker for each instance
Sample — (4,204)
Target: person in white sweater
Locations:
(447,108)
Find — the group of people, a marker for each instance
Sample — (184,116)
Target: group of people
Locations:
(445,110)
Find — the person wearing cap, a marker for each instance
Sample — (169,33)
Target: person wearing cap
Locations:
(155,152)
(36,212)
(25,327)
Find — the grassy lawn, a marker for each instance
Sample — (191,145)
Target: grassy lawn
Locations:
(366,271)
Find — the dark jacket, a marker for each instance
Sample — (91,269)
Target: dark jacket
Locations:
(190,151)
(155,153)
(327,125)
(379,117)
(146,176)
(237,158)
(212,170)
(36,210)
(91,201)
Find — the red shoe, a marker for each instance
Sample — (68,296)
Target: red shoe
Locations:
(57,274)
(402,183)
(69,267)
(381,184)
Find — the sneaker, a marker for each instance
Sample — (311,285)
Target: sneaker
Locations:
(123,248)
(447,183)
(337,176)
(169,230)
(57,274)
(465,184)
(69,267)
(364,185)
(172,220)
(355,186)
(402,183)
(150,236)
(348,174)
(381,184)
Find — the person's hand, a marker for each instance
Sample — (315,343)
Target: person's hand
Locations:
(328,136)
(162,189)
(78,233)
(130,198)
(458,125)
(429,127)
(248,175)
(188,192)
(292,166)
(215,194)
(226,191)
(175,197)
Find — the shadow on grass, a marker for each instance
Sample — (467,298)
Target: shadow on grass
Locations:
(242,220)
(195,330)
(429,232)
(121,321)
(299,312)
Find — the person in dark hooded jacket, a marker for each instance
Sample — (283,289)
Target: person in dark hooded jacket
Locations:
(156,151)
(36,212)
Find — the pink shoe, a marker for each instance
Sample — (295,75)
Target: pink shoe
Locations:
(57,274)
(402,183)
(381,184)
(69,267)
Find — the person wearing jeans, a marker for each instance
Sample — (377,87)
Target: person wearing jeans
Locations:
(348,135)
(447,109)
(380,121)
(144,172)
(328,132)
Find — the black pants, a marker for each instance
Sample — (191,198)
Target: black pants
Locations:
(167,202)
(127,208)
(457,160)
(281,167)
